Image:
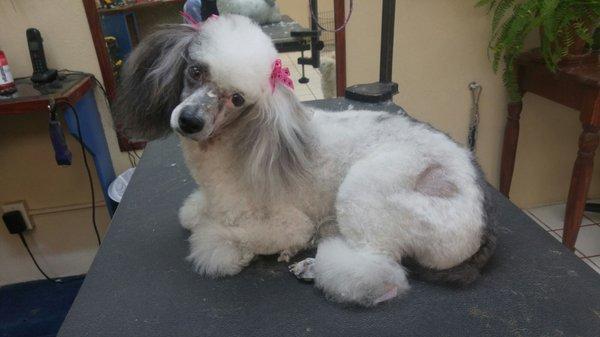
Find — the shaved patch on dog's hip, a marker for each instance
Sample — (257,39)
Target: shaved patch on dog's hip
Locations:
(433,181)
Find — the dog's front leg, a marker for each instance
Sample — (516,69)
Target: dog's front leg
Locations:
(190,214)
(215,251)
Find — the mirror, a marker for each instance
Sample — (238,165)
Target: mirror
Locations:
(303,32)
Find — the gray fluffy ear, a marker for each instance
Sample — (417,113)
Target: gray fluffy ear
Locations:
(151,83)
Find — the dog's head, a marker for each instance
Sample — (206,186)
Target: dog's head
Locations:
(203,81)
(197,81)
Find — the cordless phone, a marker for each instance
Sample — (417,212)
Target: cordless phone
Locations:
(41,73)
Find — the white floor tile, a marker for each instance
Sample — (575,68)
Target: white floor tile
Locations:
(588,240)
(306,98)
(310,91)
(553,216)
(302,90)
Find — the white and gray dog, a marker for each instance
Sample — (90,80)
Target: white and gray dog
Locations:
(271,171)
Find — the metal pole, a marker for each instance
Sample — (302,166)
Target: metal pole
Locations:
(388,16)
(315,54)
(340,47)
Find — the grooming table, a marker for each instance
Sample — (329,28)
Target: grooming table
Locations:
(141,285)
(280,33)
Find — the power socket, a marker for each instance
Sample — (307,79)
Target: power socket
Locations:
(21,207)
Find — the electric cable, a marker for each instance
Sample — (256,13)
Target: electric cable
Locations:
(343,26)
(35,261)
(66,72)
(87,168)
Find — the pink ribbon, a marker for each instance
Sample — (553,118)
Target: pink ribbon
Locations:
(193,22)
(280,75)
(190,20)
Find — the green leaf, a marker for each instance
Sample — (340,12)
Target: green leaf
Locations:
(500,12)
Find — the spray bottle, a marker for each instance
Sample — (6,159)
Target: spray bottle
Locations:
(7,84)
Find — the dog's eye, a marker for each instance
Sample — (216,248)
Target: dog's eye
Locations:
(196,72)
(237,99)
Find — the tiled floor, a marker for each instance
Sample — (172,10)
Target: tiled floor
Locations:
(587,248)
(305,92)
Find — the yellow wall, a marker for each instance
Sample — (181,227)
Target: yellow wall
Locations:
(298,9)
(58,197)
(439,48)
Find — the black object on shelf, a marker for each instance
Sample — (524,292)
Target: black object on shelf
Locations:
(41,73)
(385,89)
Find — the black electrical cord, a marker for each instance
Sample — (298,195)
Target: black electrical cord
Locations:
(336,29)
(35,261)
(88,170)
(67,72)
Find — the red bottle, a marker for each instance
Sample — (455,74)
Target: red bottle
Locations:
(7,84)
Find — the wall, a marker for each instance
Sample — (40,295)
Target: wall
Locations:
(439,48)
(58,197)
(298,9)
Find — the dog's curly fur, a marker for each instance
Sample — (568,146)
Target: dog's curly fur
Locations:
(270,170)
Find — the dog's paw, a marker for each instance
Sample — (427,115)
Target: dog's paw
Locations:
(286,255)
(222,260)
(304,270)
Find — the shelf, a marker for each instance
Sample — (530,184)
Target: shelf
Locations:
(132,7)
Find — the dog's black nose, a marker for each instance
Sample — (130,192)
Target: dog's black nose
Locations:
(189,122)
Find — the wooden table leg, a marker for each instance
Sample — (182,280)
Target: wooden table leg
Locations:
(509,148)
(580,183)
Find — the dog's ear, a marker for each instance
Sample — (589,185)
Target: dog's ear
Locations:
(276,141)
(151,83)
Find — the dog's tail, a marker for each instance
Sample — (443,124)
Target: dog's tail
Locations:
(463,274)
(469,270)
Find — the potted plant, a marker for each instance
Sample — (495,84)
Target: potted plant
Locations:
(566,30)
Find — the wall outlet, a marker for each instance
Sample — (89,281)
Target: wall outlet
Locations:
(21,207)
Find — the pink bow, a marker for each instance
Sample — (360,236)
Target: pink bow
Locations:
(190,20)
(193,22)
(281,75)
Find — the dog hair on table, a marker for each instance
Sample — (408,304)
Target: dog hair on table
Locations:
(271,170)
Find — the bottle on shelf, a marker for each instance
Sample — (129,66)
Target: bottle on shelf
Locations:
(7,83)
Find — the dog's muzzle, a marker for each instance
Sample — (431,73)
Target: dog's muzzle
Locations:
(189,121)
(195,115)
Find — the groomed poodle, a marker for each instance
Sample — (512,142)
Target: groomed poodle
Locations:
(271,171)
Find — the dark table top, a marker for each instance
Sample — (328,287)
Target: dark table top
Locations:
(141,285)
(280,33)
